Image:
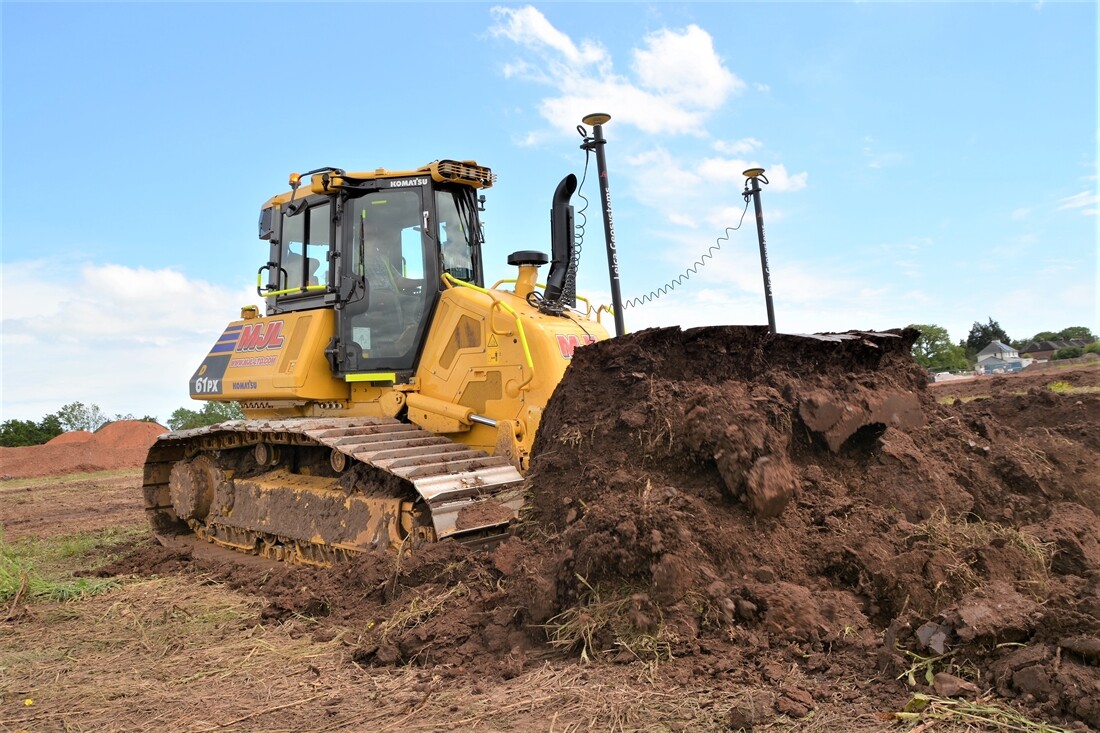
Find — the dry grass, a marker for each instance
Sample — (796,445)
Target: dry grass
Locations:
(927,711)
(156,654)
(420,609)
(610,617)
(960,539)
(950,399)
(62,482)
(184,654)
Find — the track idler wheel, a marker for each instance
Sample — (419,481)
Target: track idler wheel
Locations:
(191,485)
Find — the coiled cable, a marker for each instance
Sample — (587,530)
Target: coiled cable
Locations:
(692,270)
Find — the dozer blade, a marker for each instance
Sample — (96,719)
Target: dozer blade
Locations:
(836,418)
(747,400)
(315,490)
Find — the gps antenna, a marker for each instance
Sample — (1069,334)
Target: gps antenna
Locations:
(597,142)
(754,176)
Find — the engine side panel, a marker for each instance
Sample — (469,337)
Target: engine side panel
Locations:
(274,358)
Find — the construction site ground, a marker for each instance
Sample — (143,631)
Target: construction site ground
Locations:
(942,577)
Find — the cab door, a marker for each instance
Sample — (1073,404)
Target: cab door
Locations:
(392,264)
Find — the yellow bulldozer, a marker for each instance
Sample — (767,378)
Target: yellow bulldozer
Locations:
(391,396)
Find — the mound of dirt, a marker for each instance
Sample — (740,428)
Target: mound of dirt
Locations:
(73,436)
(739,505)
(121,444)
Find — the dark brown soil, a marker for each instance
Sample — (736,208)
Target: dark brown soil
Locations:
(693,504)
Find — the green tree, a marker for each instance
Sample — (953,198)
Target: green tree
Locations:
(78,416)
(1045,336)
(1070,352)
(210,414)
(982,335)
(27,432)
(1073,332)
(934,350)
(1077,332)
(128,416)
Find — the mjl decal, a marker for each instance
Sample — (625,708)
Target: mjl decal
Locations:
(261,336)
(568,342)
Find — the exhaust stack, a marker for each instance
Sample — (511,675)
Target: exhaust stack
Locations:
(561,283)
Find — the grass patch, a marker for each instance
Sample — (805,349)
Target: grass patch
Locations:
(45,569)
(1063,387)
(421,608)
(21,483)
(971,398)
(606,622)
(961,539)
(928,709)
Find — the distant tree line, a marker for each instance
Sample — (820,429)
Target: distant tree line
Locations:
(935,351)
(78,416)
(210,414)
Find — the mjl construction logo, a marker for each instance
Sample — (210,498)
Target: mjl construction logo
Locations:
(568,342)
(261,336)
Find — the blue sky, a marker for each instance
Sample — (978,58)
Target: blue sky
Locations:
(929,162)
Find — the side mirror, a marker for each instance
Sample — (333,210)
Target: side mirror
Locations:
(267,217)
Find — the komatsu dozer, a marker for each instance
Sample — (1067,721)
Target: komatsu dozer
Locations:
(390,396)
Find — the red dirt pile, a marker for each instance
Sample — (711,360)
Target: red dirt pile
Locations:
(121,444)
(738,505)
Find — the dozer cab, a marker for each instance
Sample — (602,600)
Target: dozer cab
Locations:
(391,397)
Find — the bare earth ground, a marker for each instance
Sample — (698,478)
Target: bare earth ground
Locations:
(968,546)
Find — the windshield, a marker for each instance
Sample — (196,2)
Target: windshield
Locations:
(457,237)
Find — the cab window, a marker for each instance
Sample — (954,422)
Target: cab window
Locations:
(455,240)
(304,258)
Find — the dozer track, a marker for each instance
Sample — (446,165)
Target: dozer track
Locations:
(317,490)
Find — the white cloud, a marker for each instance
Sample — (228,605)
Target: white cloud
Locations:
(809,297)
(1086,201)
(626,104)
(732,169)
(721,217)
(737,147)
(697,194)
(124,338)
(678,78)
(1020,214)
(878,158)
(682,66)
(528,27)
(665,185)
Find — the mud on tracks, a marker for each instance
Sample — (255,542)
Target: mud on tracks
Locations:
(965,544)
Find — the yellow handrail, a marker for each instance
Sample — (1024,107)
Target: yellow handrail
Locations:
(307,288)
(269,293)
(586,301)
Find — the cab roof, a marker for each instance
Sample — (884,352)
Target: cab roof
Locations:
(328,180)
